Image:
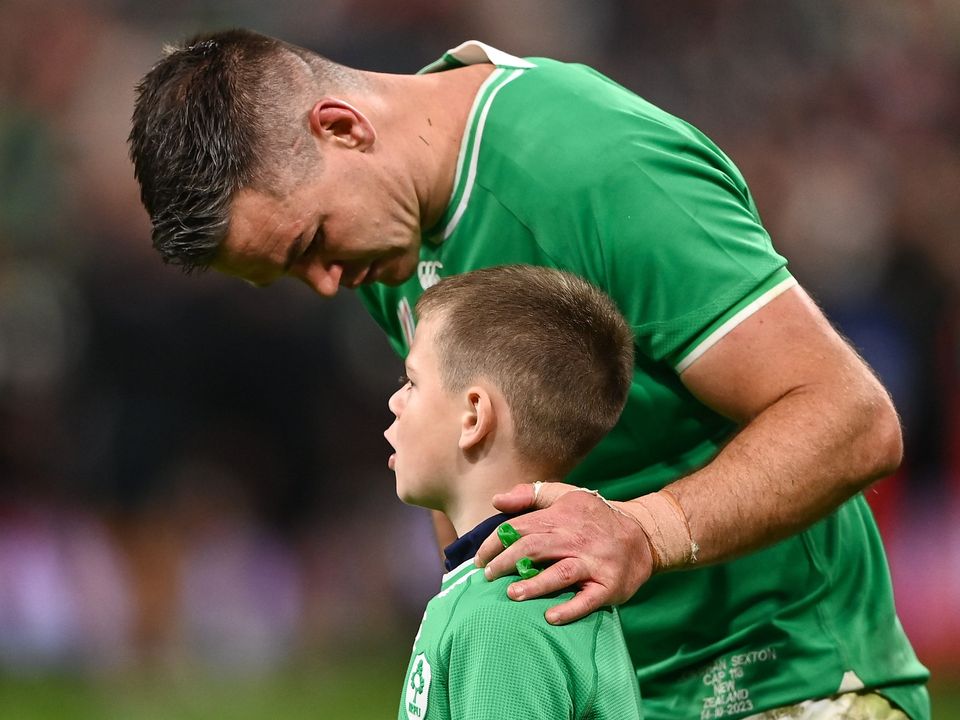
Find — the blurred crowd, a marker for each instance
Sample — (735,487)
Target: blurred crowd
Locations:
(192,470)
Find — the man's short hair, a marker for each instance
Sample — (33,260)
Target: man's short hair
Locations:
(222,112)
(556,346)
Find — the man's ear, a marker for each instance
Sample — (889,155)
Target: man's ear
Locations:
(479,419)
(337,120)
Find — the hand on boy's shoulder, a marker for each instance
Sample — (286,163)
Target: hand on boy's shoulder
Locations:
(579,539)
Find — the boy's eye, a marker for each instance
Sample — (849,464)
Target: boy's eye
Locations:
(404,380)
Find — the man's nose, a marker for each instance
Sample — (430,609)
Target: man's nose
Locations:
(323,279)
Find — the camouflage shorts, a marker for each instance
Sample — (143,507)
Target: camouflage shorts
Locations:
(847,706)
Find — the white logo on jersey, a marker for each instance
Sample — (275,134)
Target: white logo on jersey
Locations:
(429,273)
(405,315)
(418,688)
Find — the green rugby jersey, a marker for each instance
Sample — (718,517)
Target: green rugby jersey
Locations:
(562,167)
(480,656)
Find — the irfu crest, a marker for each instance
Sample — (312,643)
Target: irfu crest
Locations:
(418,688)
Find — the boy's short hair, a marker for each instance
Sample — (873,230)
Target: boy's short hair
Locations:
(556,346)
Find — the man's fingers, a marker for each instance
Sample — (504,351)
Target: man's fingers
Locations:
(493,547)
(522,497)
(591,597)
(503,564)
(505,561)
(592,546)
(558,576)
(489,550)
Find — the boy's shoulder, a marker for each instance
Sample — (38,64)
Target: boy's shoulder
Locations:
(483,610)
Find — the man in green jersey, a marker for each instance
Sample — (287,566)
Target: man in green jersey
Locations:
(515,372)
(751,428)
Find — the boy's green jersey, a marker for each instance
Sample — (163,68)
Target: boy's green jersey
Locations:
(562,167)
(480,656)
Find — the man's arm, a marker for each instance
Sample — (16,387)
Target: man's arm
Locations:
(817,427)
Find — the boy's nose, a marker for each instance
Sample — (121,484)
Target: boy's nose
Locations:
(395,403)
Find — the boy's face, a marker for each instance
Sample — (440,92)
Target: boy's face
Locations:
(426,431)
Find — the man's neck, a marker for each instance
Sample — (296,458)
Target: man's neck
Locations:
(429,114)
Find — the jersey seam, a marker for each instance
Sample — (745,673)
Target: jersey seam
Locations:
(445,647)
(824,622)
(530,233)
(731,296)
(595,681)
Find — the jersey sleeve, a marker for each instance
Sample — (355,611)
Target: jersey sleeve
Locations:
(504,663)
(685,253)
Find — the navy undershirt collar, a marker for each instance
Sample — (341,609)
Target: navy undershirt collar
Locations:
(465,547)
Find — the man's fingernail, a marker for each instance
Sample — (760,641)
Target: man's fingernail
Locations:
(488,573)
(477,561)
(516,592)
(551,618)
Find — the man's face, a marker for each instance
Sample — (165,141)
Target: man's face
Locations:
(426,431)
(348,226)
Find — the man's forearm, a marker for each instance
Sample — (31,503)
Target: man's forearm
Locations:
(790,466)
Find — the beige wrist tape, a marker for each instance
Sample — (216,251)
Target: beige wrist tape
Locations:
(666,526)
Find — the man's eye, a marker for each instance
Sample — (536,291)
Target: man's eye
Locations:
(317,240)
(312,245)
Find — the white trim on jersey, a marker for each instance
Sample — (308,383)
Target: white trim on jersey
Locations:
(473,52)
(474,155)
(735,320)
(465,140)
(458,568)
(466,576)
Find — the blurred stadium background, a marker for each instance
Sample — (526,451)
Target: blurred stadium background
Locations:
(196,519)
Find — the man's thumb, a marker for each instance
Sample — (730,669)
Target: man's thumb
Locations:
(530,496)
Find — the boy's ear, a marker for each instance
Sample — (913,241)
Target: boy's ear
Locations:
(333,119)
(479,419)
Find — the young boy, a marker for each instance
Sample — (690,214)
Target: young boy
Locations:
(514,374)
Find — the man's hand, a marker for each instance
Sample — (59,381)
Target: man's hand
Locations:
(602,552)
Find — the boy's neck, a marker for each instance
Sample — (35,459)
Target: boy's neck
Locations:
(472,501)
